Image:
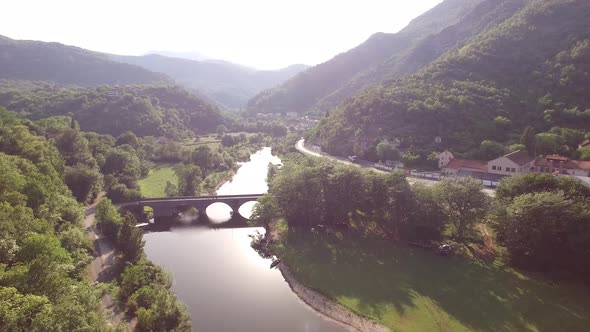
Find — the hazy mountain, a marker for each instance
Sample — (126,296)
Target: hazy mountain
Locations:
(229,84)
(68,65)
(529,70)
(183,55)
(306,90)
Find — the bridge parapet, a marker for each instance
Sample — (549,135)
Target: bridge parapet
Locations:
(168,206)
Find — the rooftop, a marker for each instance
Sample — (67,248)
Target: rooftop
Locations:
(520,157)
(465,163)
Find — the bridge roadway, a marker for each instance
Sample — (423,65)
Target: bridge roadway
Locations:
(169,206)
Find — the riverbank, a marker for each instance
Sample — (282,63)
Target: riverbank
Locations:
(322,304)
(328,308)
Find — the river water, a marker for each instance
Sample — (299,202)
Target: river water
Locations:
(225,284)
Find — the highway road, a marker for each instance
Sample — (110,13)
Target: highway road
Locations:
(411,180)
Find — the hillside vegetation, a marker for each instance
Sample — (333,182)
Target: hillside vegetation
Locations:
(349,72)
(530,70)
(58,63)
(226,83)
(147,110)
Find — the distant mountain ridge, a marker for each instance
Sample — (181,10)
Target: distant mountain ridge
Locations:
(228,84)
(67,65)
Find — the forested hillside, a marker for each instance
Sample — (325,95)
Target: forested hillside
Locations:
(43,249)
(226,83)
(531,70)
(147,110)
(304,91)
(58,63)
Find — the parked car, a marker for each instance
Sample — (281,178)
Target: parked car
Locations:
(445,250)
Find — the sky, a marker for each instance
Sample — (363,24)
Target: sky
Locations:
(264,34)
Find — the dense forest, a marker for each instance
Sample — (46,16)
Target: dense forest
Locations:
(58,63)
(43,249)
(520,82)
(225,83)
(44,252)
(329,83)
(147,110)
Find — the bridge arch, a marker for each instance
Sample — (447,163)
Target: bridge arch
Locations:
(170,206)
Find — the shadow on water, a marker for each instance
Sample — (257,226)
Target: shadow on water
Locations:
(166,224)
(483,297)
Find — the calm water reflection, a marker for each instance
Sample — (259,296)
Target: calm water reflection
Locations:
(225,284)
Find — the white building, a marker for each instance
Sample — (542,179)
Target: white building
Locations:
(444,158)
(517,162)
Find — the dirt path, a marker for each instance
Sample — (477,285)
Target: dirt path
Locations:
(103,264)
(487,238)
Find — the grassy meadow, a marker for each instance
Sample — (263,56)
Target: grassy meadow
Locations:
(413,290)
(154,184)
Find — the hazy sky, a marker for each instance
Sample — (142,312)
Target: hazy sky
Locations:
(260,33)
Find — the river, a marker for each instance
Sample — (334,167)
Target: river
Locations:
(225,284)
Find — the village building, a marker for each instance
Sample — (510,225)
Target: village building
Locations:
(562,165)
(464,166)
(517,162)
(444,158)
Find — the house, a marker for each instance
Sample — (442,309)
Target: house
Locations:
(517,162)
(444,158)
(463,166)
(562,165)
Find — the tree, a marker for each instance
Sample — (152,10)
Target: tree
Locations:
(463,203)
(130,240)
(429,219)
(221,130)
(48,266)
(514,186)
(528,139)
(547,231)
(399,205)
(489,150)
(73,146)
(516,147)
(547,143)
(265,211)
(228,141)
(386,151)
(171,189)
(189,178)
(129,138)
(584,153)
(108,218)
(20,312)
(203,157)
(83,181)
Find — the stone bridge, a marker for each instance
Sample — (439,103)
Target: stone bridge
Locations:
(169,206)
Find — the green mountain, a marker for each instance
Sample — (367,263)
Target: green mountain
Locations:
(531,70)
(228,84)
(333,81)
(67,65)
(147,110)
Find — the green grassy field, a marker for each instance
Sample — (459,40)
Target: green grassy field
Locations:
(212,141)
(411,289)
(154,184)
